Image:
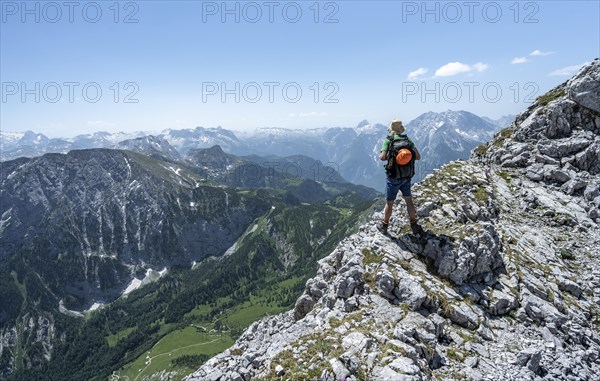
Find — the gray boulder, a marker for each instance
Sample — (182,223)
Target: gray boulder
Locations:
(584,89)
(409,291)
(476,256)
(304,305)
(530,358)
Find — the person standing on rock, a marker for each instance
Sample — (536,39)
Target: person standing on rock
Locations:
(400,153)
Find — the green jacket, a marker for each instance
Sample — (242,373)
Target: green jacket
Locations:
(395,136)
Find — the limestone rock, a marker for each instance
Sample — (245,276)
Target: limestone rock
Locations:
(503,286)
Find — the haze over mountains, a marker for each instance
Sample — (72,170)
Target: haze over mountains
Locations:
(353,152)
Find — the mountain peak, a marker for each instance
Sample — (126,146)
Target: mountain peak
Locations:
(214,154)
(362,124)
(214,150)
(150,145)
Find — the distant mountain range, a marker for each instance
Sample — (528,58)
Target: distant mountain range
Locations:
(353,152)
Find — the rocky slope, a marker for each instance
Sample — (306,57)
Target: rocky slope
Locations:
(505,285)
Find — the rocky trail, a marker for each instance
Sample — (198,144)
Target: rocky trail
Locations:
(504,286)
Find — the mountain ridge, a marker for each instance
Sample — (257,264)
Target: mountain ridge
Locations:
(353,151)
(504,285)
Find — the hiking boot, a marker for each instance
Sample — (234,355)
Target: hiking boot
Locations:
(382,227)
(417,229)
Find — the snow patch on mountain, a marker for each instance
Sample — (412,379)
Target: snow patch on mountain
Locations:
(151,276)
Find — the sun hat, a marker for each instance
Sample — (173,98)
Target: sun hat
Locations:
(396,126)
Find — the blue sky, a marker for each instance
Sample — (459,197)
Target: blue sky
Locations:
(151,65)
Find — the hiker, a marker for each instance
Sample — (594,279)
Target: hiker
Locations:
(400,153)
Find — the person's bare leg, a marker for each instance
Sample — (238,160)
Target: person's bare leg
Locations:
(387,212)
(412,215)
(410,206)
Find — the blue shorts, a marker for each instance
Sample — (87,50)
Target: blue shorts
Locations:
(392,186)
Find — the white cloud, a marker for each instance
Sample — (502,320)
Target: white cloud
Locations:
(519,60)
(567,71)
(480,67)
(453,68)
(539,53)
(417,73)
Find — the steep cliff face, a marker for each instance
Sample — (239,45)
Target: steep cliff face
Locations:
(100,215)
(505,284)
(36,332)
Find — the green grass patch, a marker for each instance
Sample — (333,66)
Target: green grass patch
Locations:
(187,341)
(456,375)
(465,336)
(199,312)
(249,312)
(370,279)
(455,355)
(335,322)
(481,149)
(505,175)
(370,256)
(262,304)
(504,134)
(289,282)
(551,95)
(320,347)
(180,348)
(481,195)
(566,254)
